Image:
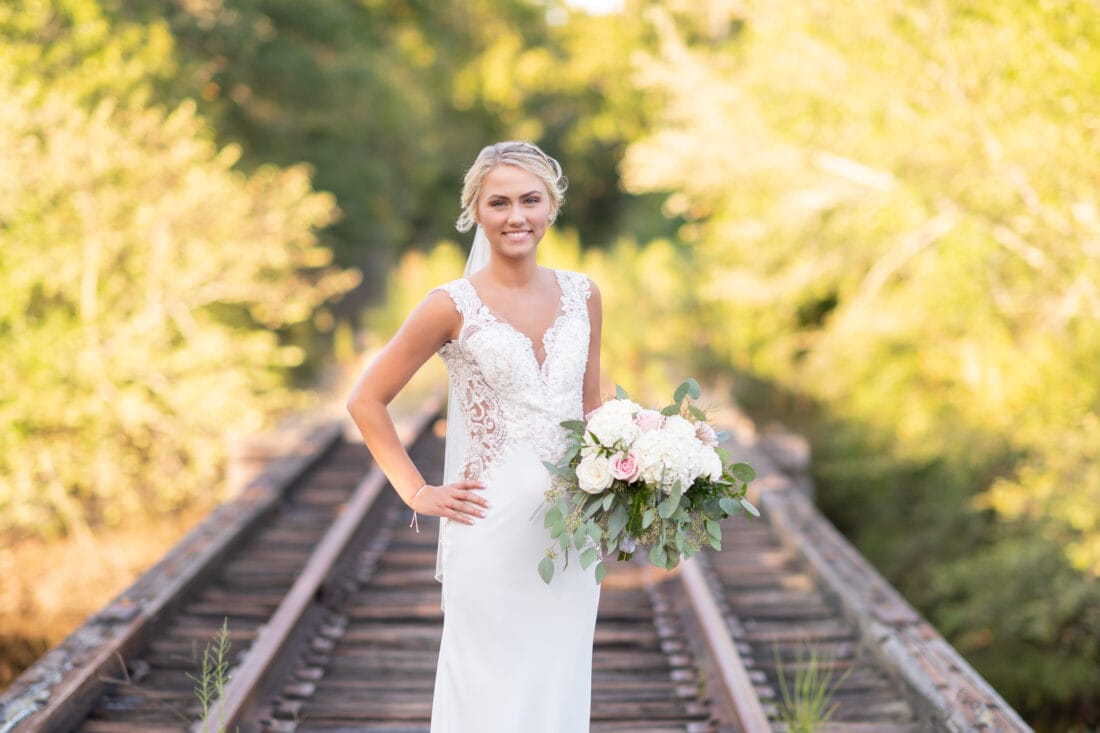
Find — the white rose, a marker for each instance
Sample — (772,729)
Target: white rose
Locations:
(710,464)
(594,474)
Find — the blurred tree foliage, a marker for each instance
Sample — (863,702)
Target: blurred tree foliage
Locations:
(145,282)
(390,100)
(894,210)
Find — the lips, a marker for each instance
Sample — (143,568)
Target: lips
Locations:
(516,236)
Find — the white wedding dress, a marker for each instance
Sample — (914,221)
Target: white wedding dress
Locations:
(516,654)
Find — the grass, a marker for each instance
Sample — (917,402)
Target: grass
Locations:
(213,677)
(808,692)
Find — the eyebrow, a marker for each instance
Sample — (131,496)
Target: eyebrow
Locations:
(536,192)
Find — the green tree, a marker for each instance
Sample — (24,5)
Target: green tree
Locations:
(892,209)
(144,280)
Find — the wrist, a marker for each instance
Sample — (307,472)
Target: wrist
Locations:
(415,496)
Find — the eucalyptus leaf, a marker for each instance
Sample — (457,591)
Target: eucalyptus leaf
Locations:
(617,521)
(658,556)
(729,506)
(564,470)
(714,529)
(620,393)
(556,530)
(743,472)
(593,507)
(595,531)
(608,500)
(588,557)
(601,572)
(697,413)
(681,392)
(749,507)
(580,536)
(648,517)
(667,507)
(716,544)
(693,388)
(546,569)
(671,410)
(553,516)
(723,436)
(575,426)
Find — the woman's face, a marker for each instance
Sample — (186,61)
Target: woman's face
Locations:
(514,210)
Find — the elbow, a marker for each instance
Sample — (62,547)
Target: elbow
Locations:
(354,404)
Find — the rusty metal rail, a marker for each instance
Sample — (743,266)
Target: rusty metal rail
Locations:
(334,622)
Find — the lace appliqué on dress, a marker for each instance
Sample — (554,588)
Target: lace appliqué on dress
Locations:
(506,395)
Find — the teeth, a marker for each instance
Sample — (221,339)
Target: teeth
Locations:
(516,235)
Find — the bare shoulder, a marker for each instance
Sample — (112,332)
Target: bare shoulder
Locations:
(436,317)
(593,291)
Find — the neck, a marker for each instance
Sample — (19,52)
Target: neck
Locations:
(512,273)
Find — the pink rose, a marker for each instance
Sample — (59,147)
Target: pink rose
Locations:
(624,466)
(706,435)
(648,420)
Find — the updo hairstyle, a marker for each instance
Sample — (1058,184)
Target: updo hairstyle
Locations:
(523,155)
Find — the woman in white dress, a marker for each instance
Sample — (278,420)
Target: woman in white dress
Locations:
(522,348)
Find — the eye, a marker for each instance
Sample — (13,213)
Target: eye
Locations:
(497,203)
(532,200)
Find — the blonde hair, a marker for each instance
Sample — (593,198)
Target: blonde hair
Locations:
(524,155)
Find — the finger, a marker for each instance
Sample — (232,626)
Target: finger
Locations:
(462,495)
(469,485)
(459,516)
(474,509)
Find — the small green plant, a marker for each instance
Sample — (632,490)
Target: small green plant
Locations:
(213,677)
(808,697)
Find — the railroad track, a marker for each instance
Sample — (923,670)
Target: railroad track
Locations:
(333,618)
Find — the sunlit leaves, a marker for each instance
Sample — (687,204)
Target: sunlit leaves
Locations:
(143,277)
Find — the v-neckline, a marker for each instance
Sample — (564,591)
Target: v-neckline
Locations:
(508,324)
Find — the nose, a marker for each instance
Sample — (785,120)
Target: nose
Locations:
(515,215)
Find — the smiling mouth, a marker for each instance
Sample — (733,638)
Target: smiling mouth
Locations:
(517,235)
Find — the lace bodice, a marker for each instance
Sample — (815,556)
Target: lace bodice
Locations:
(505,396)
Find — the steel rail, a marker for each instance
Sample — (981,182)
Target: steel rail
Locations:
(56,692)
(254,670)
(735,679)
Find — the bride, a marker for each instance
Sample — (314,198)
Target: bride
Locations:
(522,347)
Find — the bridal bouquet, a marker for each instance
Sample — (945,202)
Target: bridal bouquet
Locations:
(637,478)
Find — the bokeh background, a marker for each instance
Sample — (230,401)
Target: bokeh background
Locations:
(877,223)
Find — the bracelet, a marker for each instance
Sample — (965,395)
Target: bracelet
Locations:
(412,501)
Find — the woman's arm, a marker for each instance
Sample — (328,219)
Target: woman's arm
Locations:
(592,396)
(428,327)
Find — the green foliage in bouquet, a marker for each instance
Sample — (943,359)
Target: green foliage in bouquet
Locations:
(670,524)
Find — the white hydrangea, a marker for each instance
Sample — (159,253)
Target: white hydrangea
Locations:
(667,456)
(678,426)
(613,423)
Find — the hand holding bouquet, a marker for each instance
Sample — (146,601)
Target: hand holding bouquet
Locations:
(633,477)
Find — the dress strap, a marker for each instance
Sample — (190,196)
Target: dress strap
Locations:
(574,286)
(464,297)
